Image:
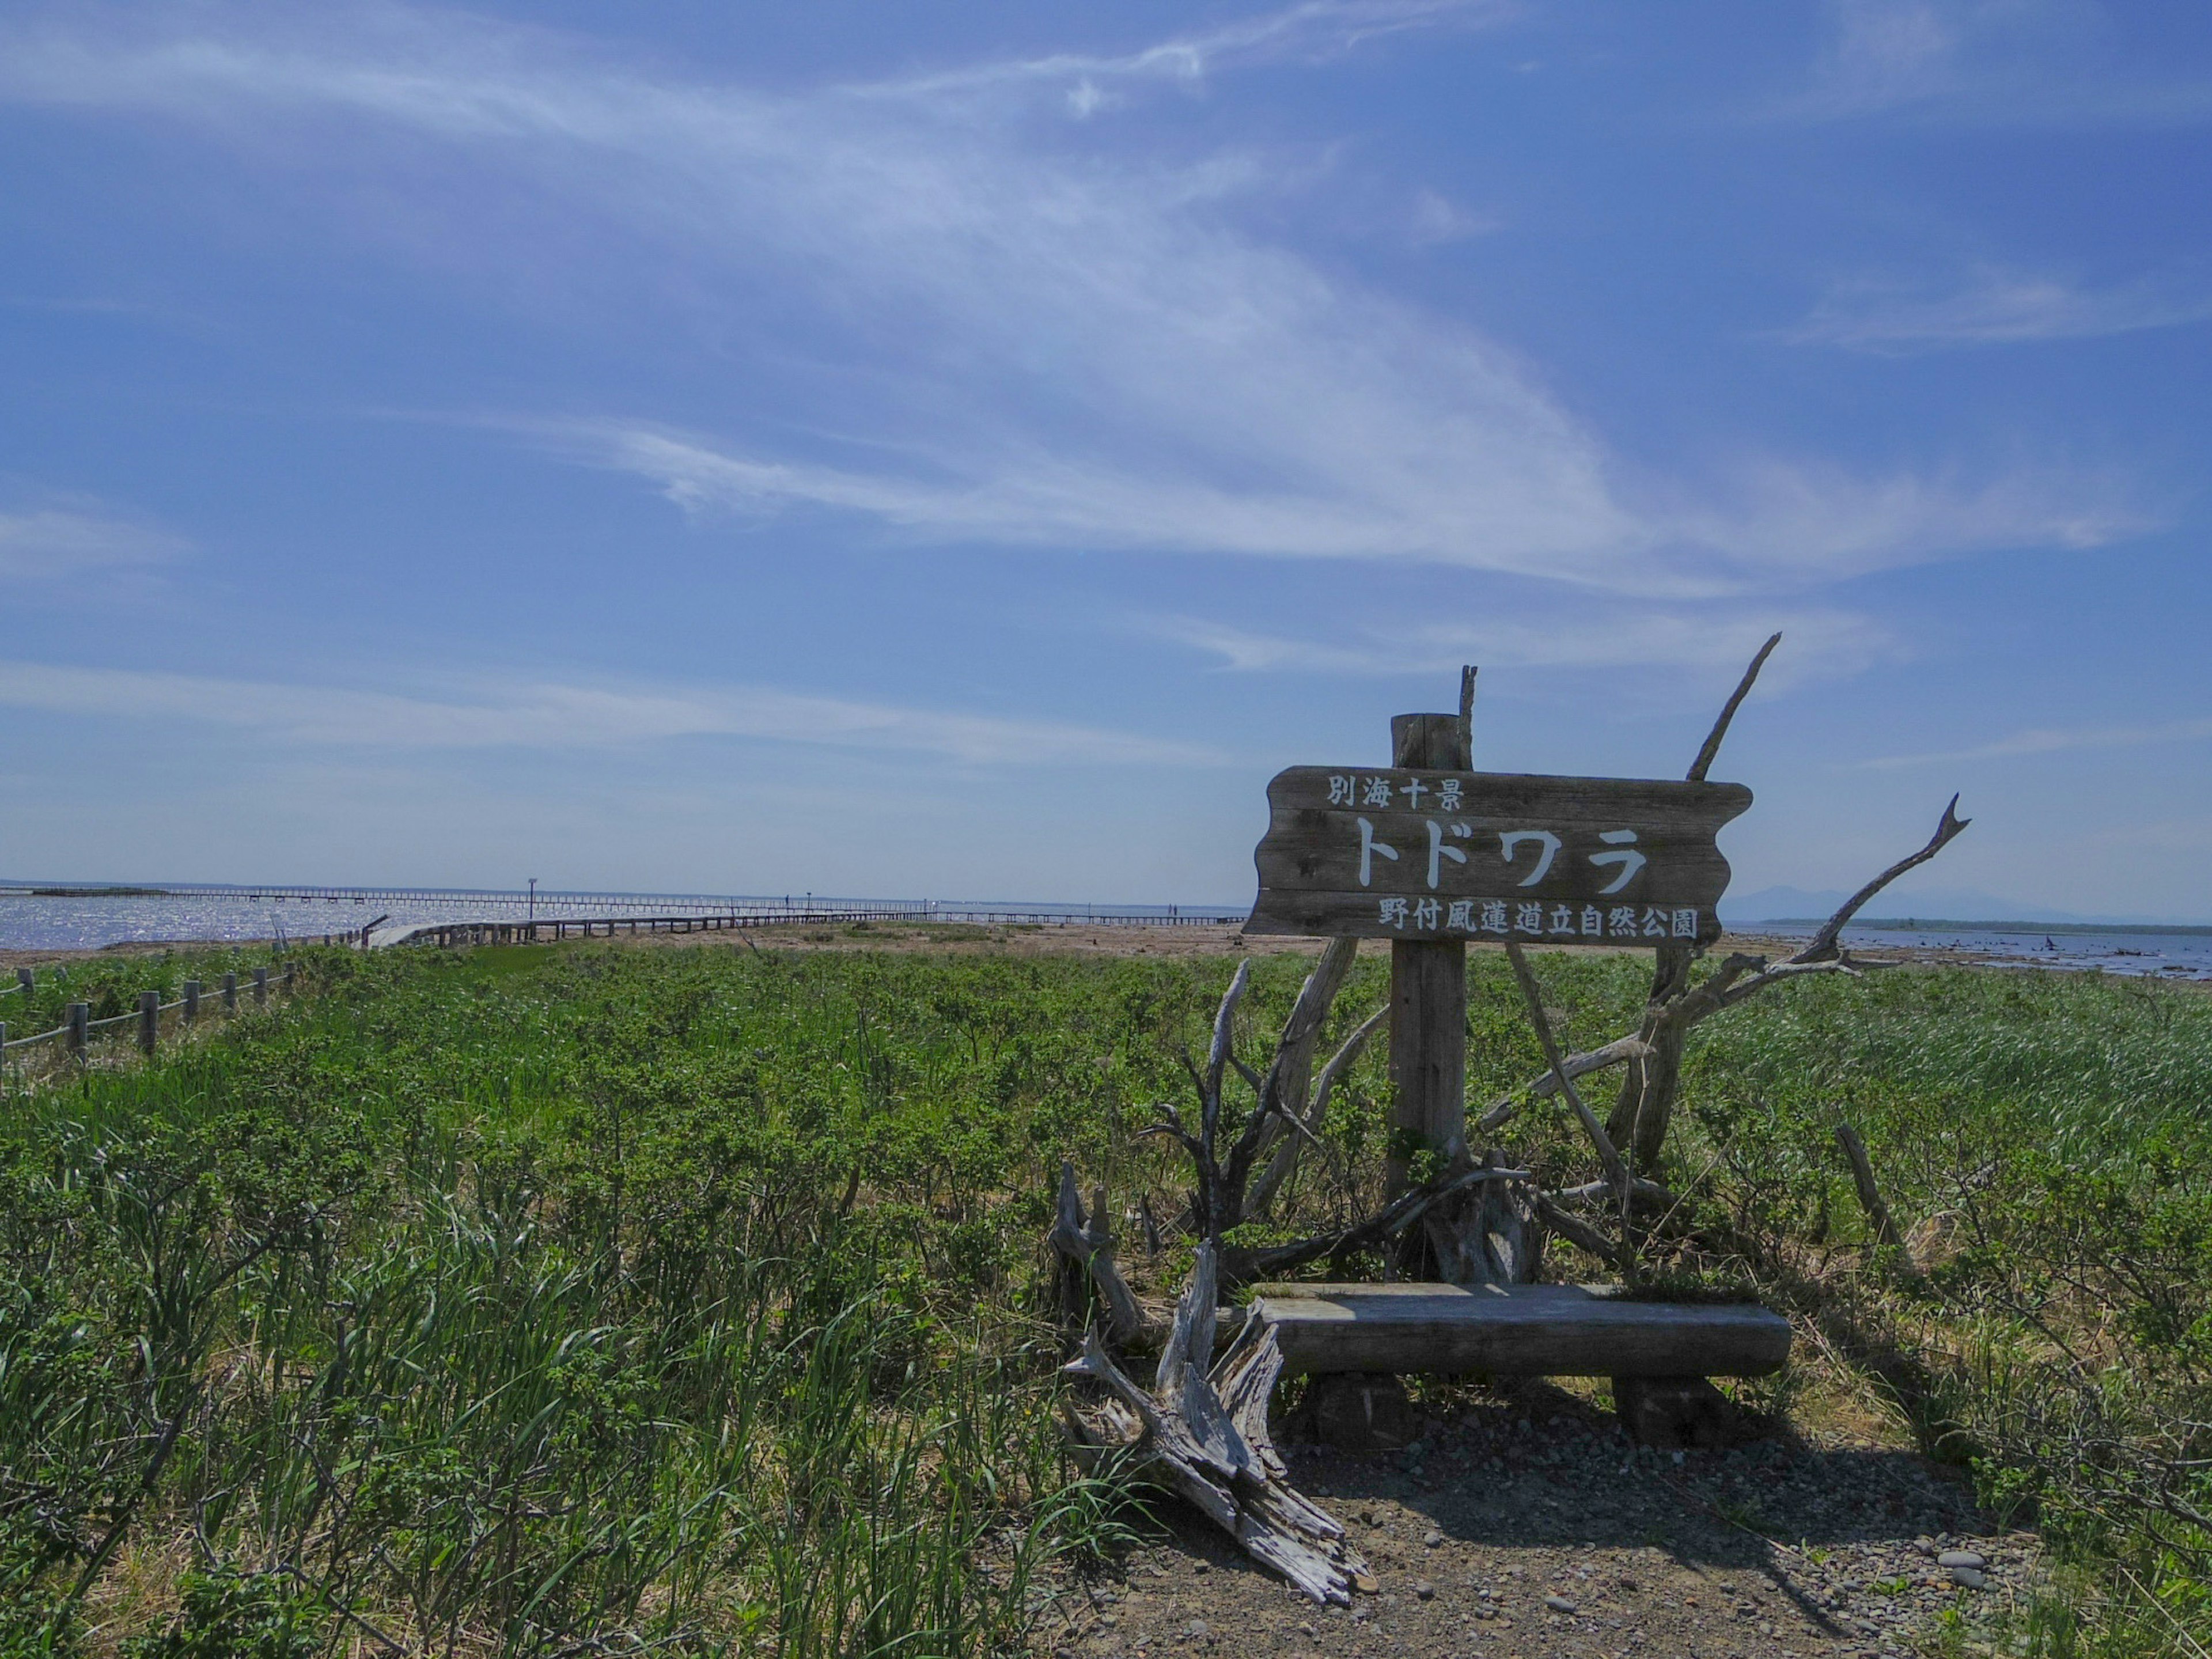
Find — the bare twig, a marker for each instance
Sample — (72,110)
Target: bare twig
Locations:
(1706,755)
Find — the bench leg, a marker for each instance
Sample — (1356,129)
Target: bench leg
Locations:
(1674,1413)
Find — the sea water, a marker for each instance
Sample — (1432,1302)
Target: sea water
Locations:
(2120,951)
(42,923)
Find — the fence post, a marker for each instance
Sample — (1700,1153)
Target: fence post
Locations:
(80,1022)
(230,994)
(27,980)
(149,1020)
(191,1001)
(261,988)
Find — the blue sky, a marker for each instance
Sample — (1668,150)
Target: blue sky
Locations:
(931,450)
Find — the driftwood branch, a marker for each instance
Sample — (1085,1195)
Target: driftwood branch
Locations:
(1086,1245)
(1216,1061)
(1401,1213)
(1202,1431)
(1201,1428)
(1823,943)
(1711,749)
(1608,1155)
(1283,1094)
(1640,1116)
(1620,1051)
(1870,1199)
(1647,1194)
(1576,1231)
(1286,1159)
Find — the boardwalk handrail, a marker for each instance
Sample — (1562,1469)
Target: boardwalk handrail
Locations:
(530,931)
(546,904)
(449,933)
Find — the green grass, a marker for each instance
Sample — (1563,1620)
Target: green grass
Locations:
(546,1301)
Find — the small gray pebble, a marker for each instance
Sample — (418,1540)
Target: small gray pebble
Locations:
(1424,1589)
(1195,1629)
(1972,1577)
(1559,1604)
(1431,1538)
(1960,1558)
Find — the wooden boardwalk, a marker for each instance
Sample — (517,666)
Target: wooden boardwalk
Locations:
(547,928)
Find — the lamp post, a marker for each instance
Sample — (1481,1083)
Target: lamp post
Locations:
(533,898)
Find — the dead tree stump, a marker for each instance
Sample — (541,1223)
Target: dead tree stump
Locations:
(1201,1430)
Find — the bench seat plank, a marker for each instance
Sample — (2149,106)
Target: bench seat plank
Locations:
(1520,1330)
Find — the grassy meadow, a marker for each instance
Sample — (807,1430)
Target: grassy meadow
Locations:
(603,1300)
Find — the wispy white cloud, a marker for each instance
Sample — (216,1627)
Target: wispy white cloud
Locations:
(991,328)
(2048,741)
(1771,523)
(1776,519)
(66,538)
(1309,32)
(2010,63)
(550,715)
(1436,219)
(1992,308)
(1885,53)
(1704,642)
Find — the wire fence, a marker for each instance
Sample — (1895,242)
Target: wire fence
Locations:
(77,1028)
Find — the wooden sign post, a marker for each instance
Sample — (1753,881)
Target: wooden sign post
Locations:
(1428,990)
(1428,854)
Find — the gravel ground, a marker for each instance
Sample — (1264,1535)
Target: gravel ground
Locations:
(1528,1529)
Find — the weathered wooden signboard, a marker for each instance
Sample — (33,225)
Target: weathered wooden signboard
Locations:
(1447,856)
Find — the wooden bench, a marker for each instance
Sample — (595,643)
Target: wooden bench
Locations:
(1522,1330)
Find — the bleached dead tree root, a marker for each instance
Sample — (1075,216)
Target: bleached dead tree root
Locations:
(1201,1430)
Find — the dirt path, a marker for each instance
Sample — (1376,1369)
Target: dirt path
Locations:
(1526,1526)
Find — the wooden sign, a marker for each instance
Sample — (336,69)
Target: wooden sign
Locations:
(1444,856)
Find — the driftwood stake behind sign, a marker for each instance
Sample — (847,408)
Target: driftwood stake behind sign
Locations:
(1423,855)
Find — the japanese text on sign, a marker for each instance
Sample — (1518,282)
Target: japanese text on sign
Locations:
(1412,853)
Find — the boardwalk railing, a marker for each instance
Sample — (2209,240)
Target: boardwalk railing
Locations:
(532,932)
(597,908)
(559,927)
